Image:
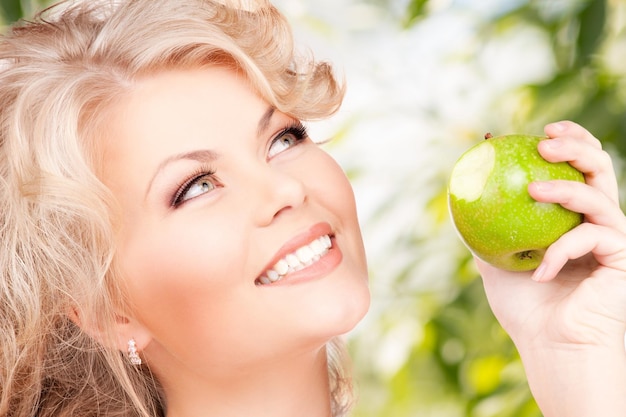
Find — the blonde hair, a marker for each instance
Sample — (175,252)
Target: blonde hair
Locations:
(58,76)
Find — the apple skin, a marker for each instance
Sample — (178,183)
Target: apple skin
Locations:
(491,209)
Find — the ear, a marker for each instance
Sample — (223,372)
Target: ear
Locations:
(117,337)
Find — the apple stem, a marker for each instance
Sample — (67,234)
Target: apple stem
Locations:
(488,135)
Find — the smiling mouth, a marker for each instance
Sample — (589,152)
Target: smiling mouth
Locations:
(301,258)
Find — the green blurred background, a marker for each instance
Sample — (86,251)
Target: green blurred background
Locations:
(426,79)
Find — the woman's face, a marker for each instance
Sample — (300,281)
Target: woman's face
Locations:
(219,194)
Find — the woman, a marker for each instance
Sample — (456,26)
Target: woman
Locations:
(162,198)
(174,244)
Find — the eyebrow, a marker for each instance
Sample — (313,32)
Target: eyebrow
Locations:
(264,122)
(207,155)
(202,155)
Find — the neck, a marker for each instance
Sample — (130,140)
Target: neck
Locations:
(295,386)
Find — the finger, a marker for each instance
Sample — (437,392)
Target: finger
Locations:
(595,164)
(581,198)
(607,246)
(584,152)
(568,128)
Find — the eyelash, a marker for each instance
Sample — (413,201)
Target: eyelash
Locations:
(296,129)
(184,186)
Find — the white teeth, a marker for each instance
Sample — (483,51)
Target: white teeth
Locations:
(305,254)
(265,280)
(301,258)
(317,246)
(281,267)
(272,275)
(292,260)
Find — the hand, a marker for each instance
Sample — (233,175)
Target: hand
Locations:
(582,301)
(568,317)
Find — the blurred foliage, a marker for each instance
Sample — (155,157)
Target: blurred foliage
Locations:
(461,363)
(588,85)
(12,10)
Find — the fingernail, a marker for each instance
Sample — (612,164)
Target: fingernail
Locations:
(539,272)
(558,126)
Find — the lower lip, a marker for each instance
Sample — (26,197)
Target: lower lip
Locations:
(322,267)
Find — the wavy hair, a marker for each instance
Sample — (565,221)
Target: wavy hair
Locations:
(59,73)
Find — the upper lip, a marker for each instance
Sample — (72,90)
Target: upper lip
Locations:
(301,239)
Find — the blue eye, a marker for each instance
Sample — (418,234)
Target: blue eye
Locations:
(196,186)
(286,139)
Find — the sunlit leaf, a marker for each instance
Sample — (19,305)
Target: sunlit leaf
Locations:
(416,10)
(592,29)
(11,9)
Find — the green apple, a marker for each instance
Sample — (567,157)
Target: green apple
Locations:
(490,206)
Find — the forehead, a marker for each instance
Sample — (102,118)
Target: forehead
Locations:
(178,107)
(176,112)
(208,94)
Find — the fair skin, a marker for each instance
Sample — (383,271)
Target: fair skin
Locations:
(568,319)
(215,187)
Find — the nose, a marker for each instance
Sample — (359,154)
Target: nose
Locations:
(276,191)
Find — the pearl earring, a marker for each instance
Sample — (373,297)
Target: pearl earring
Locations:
(133,357)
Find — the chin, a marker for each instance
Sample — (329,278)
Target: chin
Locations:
(342,312)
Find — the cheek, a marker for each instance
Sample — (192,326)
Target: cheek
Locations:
(333,187)
(169,273)
(334,191)
(187,285)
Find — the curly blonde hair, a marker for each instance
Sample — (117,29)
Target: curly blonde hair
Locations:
(59,73)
